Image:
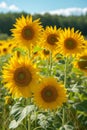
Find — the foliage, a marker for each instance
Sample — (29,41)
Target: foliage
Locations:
(78,22)
(22,113)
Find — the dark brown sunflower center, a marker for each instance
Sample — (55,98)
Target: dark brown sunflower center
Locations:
(46,52)
(10,45)
(70,44)
(52,39)
(5,50)
(18,53)
(83,62)
(35,53)
(49,94)
(28,33)
(0,44)
(22,76)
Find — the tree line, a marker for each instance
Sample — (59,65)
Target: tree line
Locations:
(78,22)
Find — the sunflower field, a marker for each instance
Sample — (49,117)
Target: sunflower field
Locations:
(43,78)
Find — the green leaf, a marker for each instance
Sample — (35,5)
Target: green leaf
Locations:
(37,48)
(25,112)
(81,106)
(17,107)
(13,124)
(67,127)
(16,110)
(20,113)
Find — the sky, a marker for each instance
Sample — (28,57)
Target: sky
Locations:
(60,7)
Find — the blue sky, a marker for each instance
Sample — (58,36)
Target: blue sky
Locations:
(65,7)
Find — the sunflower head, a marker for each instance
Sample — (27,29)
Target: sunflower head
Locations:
(70,42)
(11,44)
(7,46)
(81,62)
(49,94)
(50,37)
(20,75)
(3,48)
(27,31)
(44,53)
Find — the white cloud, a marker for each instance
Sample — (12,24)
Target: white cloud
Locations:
(3,5)
(69,11)
(13,7)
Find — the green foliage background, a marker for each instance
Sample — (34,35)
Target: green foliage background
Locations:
(78,22)
(73,115)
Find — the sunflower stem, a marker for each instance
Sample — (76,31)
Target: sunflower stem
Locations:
(39,127)
(24,126)
(29,52)
(65,81)
(50,64)
(29,123)
(47,72)
(65,72)
(63,120)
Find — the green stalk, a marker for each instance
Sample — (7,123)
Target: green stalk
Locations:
(29,52)
(65,81)
(39,127)
(47,61)
(50,64)
(65,72)
(63,120)
(29,123)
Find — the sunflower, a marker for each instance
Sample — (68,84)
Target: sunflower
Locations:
(44,53)
(11,44)
(49,94)
(27,31)
(6,46)
(19,76)
(1,43)
(70,42)
(50,37)
(5,49)
(81,62)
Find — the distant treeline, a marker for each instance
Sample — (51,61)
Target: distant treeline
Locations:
(78,22)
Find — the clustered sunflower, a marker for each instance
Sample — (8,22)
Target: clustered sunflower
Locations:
(7,46)
(21,76)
